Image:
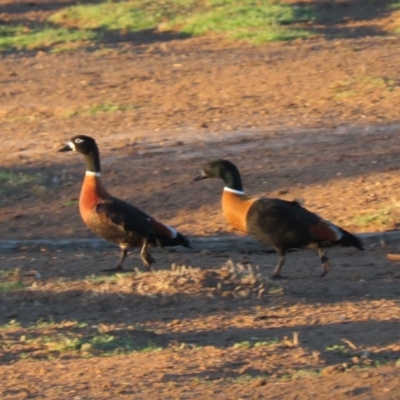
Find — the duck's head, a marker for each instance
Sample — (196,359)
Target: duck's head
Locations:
(224,170)
(82,144)
(217,169)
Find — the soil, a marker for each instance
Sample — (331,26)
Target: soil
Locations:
(313,119)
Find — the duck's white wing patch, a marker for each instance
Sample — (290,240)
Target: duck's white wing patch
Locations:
(173,231)
(163,229)
(339,233)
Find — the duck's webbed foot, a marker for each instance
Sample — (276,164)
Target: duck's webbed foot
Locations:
(118,267)
(146,257)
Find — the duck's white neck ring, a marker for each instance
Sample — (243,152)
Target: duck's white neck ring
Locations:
(91,173)
(233,190)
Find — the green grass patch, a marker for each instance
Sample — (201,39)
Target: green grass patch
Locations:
(242,345)
(394,6)
(11,324)
(256,343)
(8,273)
(71,202)
(23,38)
(364,85)
(301,373)
(47,339)
(130,16)
(250,20)
(15,184)
(246,379)
(11,179)
(6,287)
(254,21)
(99,344)
(337,348)
(381,217)
(101,108)
(44,323)
(100,279)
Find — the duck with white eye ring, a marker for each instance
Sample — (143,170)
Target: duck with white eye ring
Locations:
(116,220)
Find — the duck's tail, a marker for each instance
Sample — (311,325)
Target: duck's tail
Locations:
(178,240)
(350,240)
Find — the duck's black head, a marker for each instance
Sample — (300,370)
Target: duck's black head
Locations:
(86,146)
(224,170)
(82,144)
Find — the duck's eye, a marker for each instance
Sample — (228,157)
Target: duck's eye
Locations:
(78,140)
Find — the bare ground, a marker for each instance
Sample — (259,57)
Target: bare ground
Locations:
(217,326)
(316,120)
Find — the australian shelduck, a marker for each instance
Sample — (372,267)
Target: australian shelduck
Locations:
(116,220)
(279,223)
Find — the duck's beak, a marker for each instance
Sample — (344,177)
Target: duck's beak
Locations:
(200,177)
(67,147)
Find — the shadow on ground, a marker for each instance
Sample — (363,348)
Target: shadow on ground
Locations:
(275,164)
(351,18)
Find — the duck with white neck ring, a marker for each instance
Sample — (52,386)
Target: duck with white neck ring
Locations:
(116,220)
(279,223)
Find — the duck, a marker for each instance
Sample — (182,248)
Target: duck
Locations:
(116,220)
(275,222)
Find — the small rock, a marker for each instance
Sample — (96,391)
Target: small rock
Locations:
(244,370)
(300,355)
(332,369)
(258,382)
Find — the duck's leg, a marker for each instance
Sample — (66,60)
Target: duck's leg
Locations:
(118,267)
(146,257)
(161,246)
(324,261)
(281,261)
